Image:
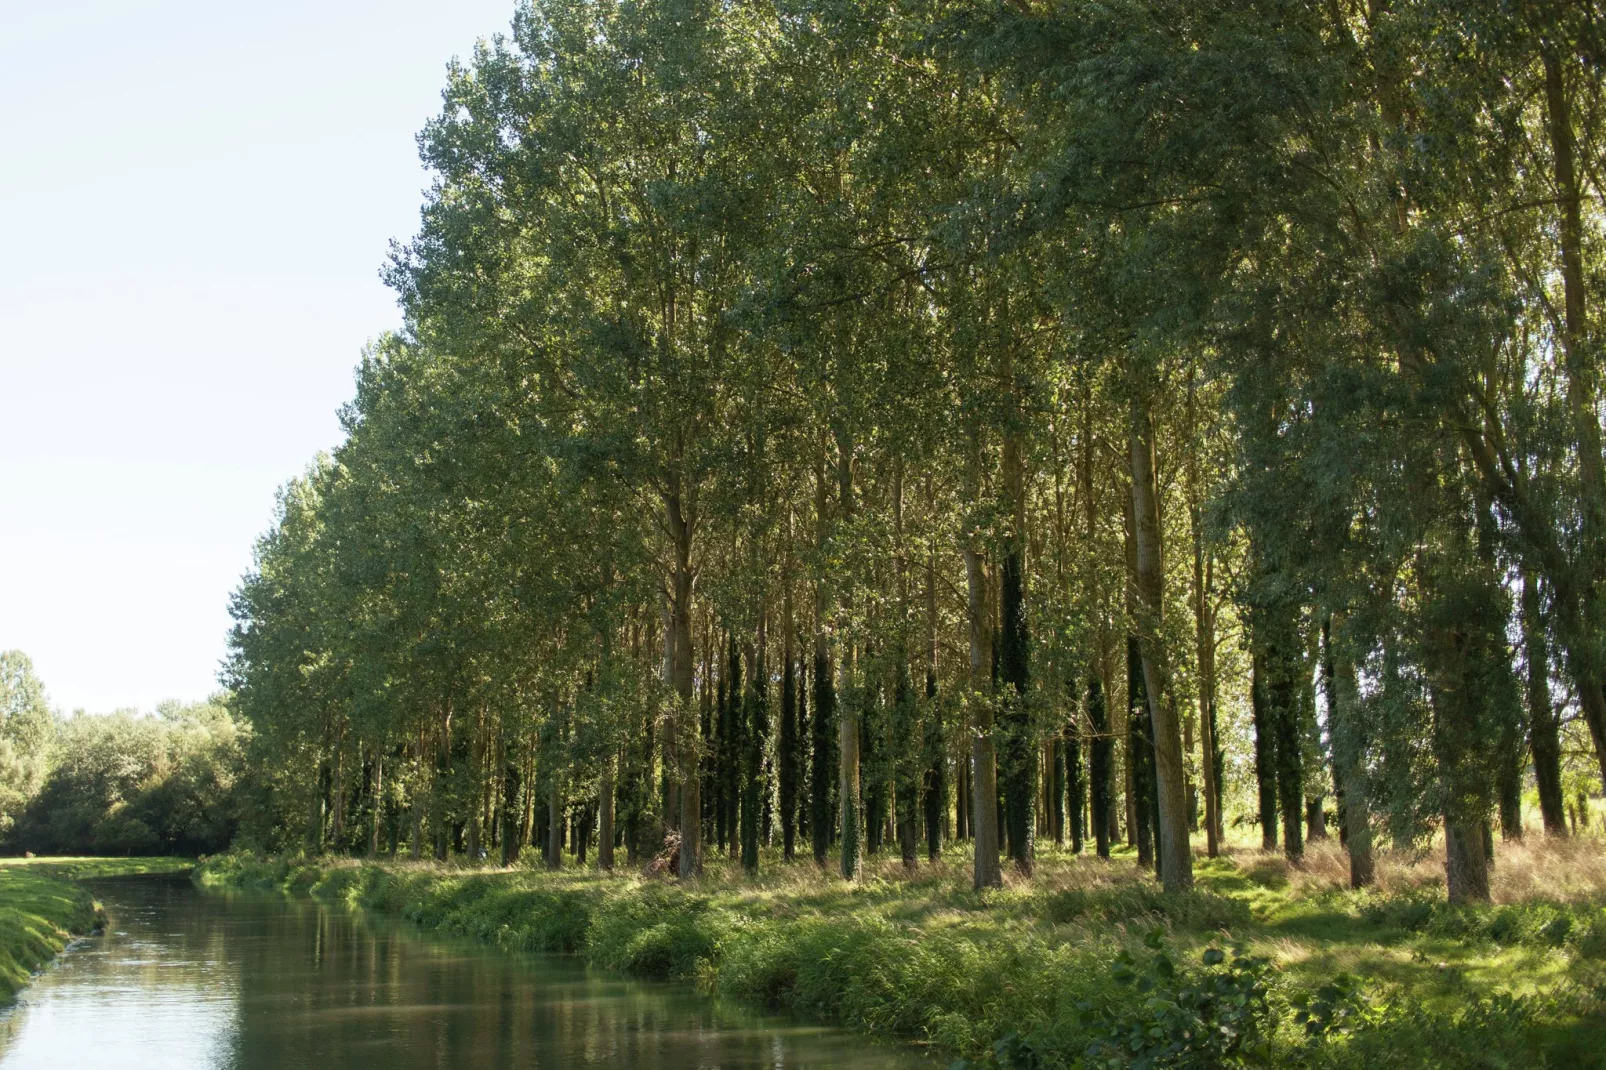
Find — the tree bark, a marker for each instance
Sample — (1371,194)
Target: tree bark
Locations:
(788,751)
(1466,862)
(1543,727)
(605,820)
(512,813)
(554,843)
(1014,643)
(1265,749)
(984,782)
(1349,755)
(681,520)
(935,786)
(852,815)
(1099,765)
(1582,385)
(1176,859)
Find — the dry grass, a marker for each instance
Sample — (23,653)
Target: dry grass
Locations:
(1538,868)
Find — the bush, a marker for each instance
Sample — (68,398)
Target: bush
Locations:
(132,785)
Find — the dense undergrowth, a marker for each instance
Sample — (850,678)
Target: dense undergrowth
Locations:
(42,909)
(1089,965)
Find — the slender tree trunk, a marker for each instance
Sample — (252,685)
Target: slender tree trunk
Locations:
(1283,694)
(681,520)
(1582,384)
(1265,750)
(1056,789)
(1205,657)
(554,843)
(1176,859)
(1099,765)
(852,815)
(605,830)
(754,731)
(788,755)
(1140,752)
(512,812)
(935,793)
(1014,644)
(1543,728)
(984,785)
(376,795)
(1072,751)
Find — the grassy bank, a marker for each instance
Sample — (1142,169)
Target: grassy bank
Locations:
(1261,965)
(41,908)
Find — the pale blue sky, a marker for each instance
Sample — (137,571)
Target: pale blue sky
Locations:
(195,201)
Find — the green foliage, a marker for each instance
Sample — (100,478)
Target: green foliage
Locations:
(26,732)
(128,784)
(1221,1016)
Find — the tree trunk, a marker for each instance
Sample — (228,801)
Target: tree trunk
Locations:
(1072,750)
(934,789)
(512,813)
(1140,757)
(1056,789)
(1099,765)
(681,520)
(1265,750)
(1020,752)
(1176,859)
(851,806)
(1283,694)
(823,772)
(554,841)
(1543,729)
(1014,646)
(1204,631)
(376,795)
(984,783)
(1466,862)
(788,746)
(1582,383)
(852,815)
(754,729)
(605,830)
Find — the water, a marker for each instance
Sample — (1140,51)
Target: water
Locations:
(185,979)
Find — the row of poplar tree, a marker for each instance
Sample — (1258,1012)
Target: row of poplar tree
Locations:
(868,427)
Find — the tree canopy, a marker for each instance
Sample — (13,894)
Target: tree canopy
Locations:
(858,426)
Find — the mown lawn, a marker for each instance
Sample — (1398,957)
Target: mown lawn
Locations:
(1027,975)
(42,908)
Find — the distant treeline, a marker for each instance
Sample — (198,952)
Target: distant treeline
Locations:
(123,783)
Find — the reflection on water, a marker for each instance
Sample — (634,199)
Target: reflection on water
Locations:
(185,979)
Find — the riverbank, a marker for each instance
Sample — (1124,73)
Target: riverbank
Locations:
(1087,953)
(42,909)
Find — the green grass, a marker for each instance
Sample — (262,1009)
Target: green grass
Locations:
(42,909)
(926,958)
